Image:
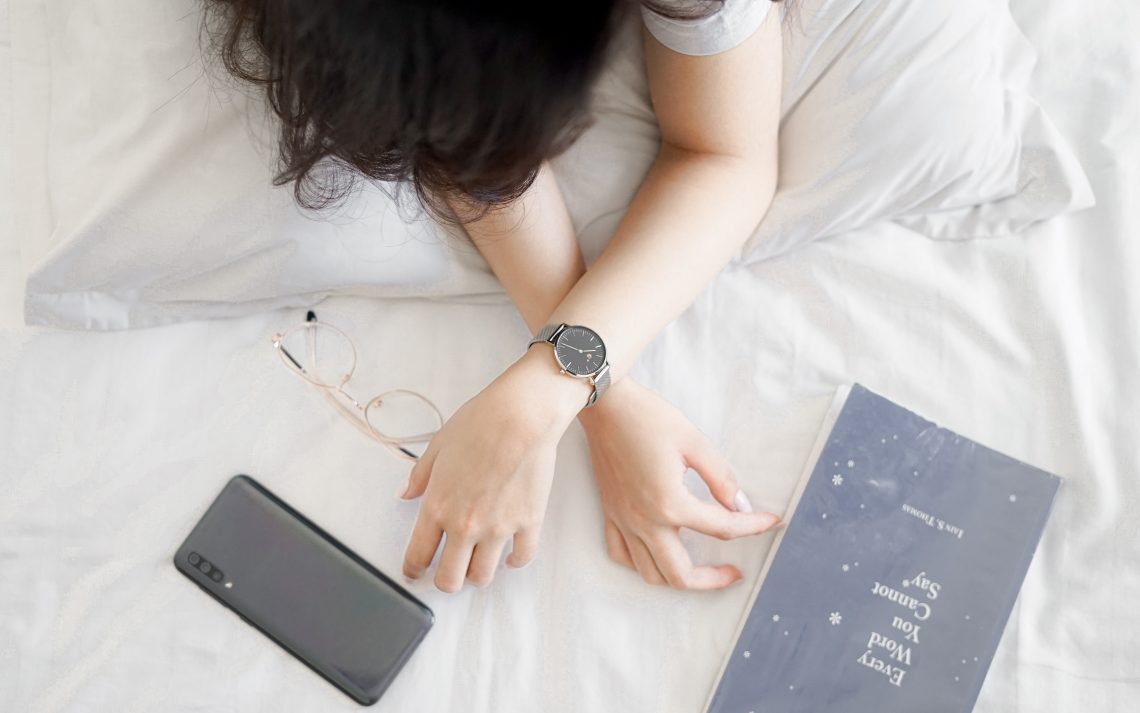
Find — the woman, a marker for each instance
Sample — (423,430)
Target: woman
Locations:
(467,100)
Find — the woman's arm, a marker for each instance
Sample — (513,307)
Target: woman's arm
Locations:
(711,184)
(531,247)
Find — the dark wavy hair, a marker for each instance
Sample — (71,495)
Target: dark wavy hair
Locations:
(464,100)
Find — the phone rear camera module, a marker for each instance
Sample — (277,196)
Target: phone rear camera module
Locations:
(204,566)
(194,558)
(216,575)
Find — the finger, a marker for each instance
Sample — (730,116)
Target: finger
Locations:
(417,481)
(718,475)
(718,522)
(643,560)
(524,547)
(615,545)
(453,564)
(422,546)
(677,567)
(485,560)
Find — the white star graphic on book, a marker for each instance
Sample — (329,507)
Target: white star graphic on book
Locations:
(835,618)
(837,479)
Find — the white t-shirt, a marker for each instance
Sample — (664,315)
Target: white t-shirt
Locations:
(728,26)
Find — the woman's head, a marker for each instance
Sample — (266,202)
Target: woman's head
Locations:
(461,98)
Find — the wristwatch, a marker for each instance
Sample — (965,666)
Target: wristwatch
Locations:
(580,353)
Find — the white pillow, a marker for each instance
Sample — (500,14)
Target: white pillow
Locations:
(153,182)
(892,110)
(145,197)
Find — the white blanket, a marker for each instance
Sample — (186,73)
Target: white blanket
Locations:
(114,443)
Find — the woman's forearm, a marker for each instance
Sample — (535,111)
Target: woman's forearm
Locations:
(689,218)
(531,247)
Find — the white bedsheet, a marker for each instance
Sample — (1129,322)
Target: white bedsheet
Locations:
(9,249)
(114,443)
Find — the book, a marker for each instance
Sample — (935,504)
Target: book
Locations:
(889,589)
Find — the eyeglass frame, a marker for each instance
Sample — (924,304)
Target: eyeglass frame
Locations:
(330,391)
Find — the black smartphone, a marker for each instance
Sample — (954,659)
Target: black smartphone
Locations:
(300,587)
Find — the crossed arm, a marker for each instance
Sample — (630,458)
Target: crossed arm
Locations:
(709,187)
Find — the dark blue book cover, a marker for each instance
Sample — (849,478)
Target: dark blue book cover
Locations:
(890,587)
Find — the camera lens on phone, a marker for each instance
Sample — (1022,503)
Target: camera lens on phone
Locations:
(204,566)
(194,558)
(216,575)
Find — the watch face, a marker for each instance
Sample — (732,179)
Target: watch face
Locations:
(580,351)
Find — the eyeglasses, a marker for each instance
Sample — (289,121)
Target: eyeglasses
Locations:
(384,418)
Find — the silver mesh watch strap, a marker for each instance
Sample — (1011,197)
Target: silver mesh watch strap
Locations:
(546,334)
(601,382)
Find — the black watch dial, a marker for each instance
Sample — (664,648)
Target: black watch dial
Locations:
(580,351)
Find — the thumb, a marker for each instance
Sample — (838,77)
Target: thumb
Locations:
(417,481)
(718,475)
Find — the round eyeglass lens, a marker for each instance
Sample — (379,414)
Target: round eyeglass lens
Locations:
(318,352)
(404,417)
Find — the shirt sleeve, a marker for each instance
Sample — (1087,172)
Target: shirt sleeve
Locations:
(722,30)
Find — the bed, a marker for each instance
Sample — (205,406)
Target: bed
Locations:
(113,443)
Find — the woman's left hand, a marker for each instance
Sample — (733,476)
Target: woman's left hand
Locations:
(485,477)
(641,447)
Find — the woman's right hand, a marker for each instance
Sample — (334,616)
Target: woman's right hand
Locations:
(641,447)
(485,477)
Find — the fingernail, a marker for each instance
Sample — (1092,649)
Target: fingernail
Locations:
(741,502)
(780,525)
(403,488)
